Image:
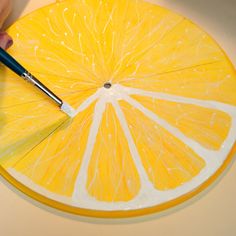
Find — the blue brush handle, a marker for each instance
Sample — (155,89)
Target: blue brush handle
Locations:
(16,67)
(11,63)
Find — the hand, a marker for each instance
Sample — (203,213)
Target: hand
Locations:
(5,8)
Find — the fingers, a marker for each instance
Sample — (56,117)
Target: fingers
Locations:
(5,40)
(5,8)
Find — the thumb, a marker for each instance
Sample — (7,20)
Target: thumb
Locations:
(5,40)
(5,8)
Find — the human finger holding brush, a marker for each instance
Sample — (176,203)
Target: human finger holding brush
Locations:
(5,8)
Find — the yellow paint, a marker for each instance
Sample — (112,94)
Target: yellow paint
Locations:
(112,174)
(74,47)
(207,126)
(57,163)
(214,81)
(24,126)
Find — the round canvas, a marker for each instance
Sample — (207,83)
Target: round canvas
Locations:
(155,108)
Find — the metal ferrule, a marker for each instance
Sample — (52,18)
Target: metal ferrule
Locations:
(28,77)
(31,79)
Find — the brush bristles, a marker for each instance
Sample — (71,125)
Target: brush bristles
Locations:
(70,111)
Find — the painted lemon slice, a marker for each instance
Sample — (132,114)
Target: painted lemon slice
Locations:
(155,108)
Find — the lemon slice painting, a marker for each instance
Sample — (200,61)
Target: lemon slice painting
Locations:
(155,101)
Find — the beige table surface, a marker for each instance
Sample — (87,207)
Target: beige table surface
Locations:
(212,213)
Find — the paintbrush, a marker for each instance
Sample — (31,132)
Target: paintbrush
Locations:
(16,67)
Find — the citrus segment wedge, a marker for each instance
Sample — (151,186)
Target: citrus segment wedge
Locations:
(112,175)
(55,167)
(207,126)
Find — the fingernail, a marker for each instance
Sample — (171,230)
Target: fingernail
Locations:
(5,40)
(9,43)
